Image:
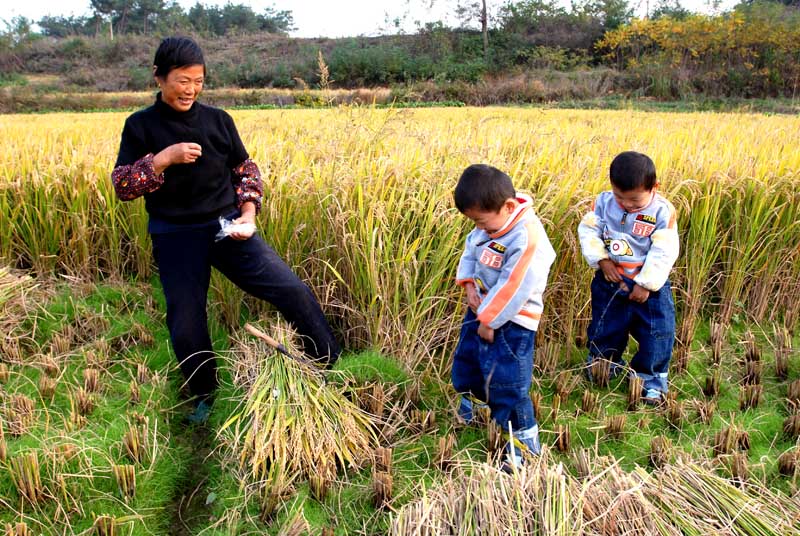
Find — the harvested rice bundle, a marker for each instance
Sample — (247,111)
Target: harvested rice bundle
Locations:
(289,422)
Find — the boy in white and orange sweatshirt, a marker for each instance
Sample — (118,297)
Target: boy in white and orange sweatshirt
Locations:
(504,270)
(631,238)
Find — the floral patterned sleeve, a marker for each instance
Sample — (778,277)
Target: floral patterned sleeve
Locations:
(247,182)
(136,179)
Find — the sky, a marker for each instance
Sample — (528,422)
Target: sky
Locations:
(313,18)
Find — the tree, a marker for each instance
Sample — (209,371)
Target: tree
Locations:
(476,10)
(144,10)
(670,8)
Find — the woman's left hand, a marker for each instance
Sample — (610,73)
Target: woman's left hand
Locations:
(248,216)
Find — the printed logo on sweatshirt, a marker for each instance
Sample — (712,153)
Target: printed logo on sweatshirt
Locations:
(480,285)
(644,225)
(642,229)
(498,247)
(619,247)
(490,259)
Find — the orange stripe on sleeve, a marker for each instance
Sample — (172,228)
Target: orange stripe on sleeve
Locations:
(463,282)
(507,291)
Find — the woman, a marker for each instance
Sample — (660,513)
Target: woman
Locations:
(189,163)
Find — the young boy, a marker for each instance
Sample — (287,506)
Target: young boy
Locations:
(504,270)
(631,237)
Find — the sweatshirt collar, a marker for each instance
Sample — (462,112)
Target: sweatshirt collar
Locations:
(168,111)
(525,203)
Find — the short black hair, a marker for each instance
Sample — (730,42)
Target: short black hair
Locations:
(631,170)
(176,52)
(484,188)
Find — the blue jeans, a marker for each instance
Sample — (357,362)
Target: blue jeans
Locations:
(185,258)
(652,324)
(498,373)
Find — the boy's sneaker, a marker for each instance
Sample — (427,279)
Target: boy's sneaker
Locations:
(201,412)
(468,407)
(652,397)
(525,444)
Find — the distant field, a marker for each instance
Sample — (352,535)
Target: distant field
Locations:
(359,202)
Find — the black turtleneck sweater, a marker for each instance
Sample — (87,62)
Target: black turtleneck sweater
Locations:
(190,193)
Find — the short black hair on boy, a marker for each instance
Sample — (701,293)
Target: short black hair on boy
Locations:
(484,188)
(631,170)
(177,52)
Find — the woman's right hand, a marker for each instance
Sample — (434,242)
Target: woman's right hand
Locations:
(178,153)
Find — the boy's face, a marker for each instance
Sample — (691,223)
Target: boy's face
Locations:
(633,200)
(489,220)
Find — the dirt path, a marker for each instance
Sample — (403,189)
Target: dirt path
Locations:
(188,509)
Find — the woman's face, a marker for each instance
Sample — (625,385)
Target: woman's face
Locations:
(181,87)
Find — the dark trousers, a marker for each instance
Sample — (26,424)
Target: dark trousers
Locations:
(652,324)
(498,373)
(184,260)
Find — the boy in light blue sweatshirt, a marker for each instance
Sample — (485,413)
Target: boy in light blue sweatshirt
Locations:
(504,269)
(631,237)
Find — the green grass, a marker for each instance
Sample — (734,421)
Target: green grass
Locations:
(190,478)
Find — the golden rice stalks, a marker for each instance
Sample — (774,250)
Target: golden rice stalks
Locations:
(566,382)
(136,442)
(289,423)
(25,474)
(752,372)
(444,451)
(589,402)
(142,335)
(422,420)
(711,388)
(635,386)
(373,400)
(382,484)
(50,366)
(413,392)
(788,462)
(548,357)
(18,529)
(783,349)
(20,414)
(791,426)
(383,459)
(674,412)
(699,502)
(752,352)
(4,373)
(135,393)
(47,387)
(295,525)
(718,331)
(615,426)
(793,393)
(320,482)
(495,439)
(104,526)
(142,373)
(555,406)
(660,451)
(91,380)
(738,466)
(562,438)
(84,402)
(61,342)
(3,445)
(601,371)
(483,500)
(750,396)
(125,477)
(705,410)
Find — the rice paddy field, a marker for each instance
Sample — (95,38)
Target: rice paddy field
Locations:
(358,200)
